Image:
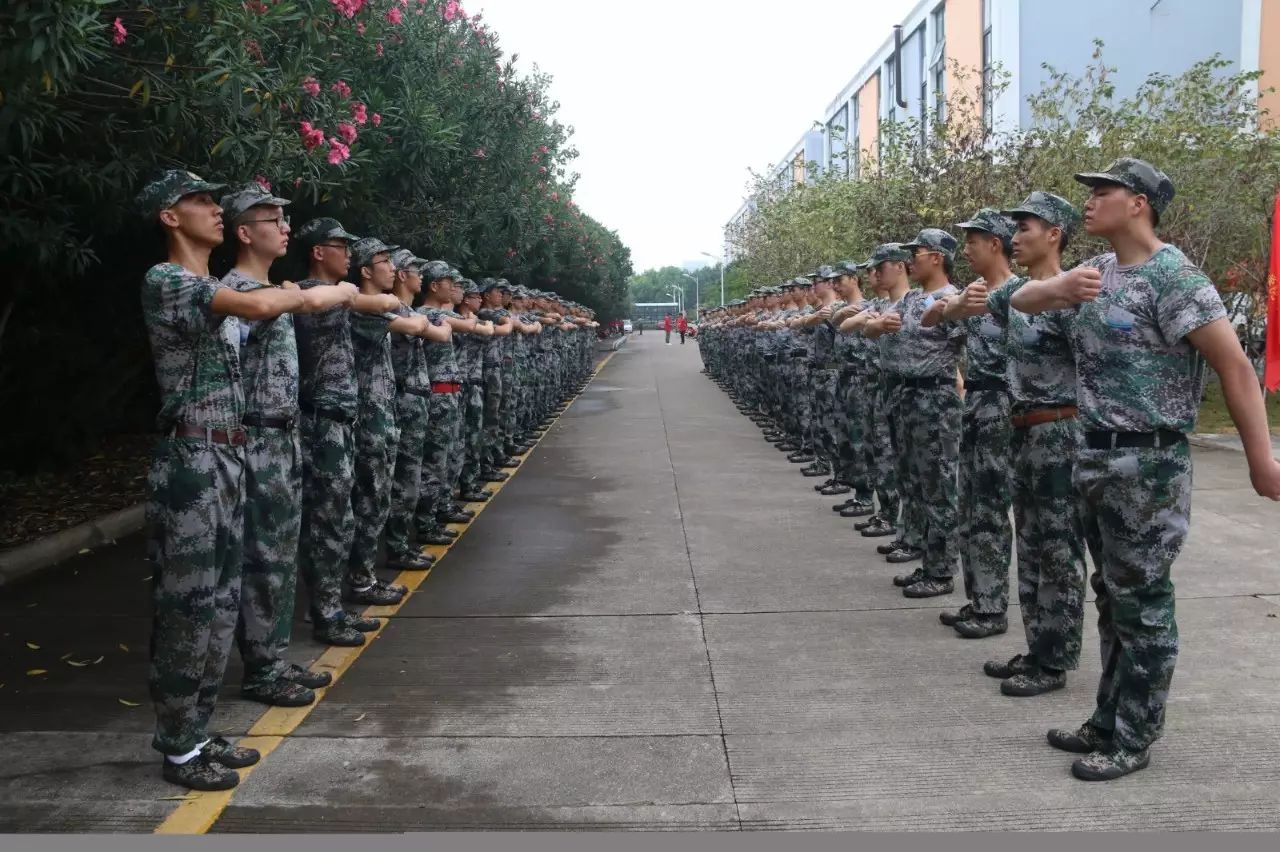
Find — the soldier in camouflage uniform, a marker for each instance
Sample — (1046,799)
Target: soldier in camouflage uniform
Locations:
(329,398)
(852,392)
(377,436)
(471,355)
(1141,322)
(273,455)
(1046,440)
(444,424)
(493,454)
(413,392)
(986,536)
(195,506)
(923,365)
(823,378)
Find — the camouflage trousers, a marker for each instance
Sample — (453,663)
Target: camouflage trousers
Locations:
(933,446)
(196,531)
(826,425)
(493,402)
(898,411)
(1051,541)
(986,537)
(328,526)
(377,440)
(444,424)
(877,450)
(411,418)
(1137,503)
(801,397)
(850,460)
(473,437)
(272,521)
(510,404)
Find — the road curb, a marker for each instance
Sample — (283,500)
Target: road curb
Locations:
(27,559)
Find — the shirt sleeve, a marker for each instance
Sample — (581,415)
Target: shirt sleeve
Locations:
(183,300)
(998,303)
(1187,301)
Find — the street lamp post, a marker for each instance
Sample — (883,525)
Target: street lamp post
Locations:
(721,262)
(680,303)
(697,293)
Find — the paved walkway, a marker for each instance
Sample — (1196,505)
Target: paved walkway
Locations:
(658,624)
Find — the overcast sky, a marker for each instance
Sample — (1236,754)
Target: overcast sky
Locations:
(672,103)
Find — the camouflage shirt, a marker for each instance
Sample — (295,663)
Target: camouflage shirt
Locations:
(986,352)
(917,352)
(1042,372)
(268,357)
(1135,370)
(822,340)
(197,365)
(408,359)
(855,349)
(494,347)
(375,375)
(326,359)
(469,354)
(441,361)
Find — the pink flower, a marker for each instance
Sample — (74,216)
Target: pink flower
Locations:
(542,150)
(311,86)
(359,112)
(118,32)
(555,196)
(348,8)
(457,62)
(542,170)
(341,88)
(360,27)
(394,16)
(297,181)
(548,218)
(451,10)
(533,158)
(338,152)
(377,120)
(537,114)
(311,136)
(478,153)
(263,182)
(379,50)
(347,132)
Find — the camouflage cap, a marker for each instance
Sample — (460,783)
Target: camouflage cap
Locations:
(365,249)
(318,230)
(886,252)
(237,203)
(469,288)
(1053,209)
(1138,176)
(403,259)
(436,270)
(846,267)
(801,282)
(991,221)
(455,273)
(504,284)
(934,239)
(168,189)
(825,273)
(487,284)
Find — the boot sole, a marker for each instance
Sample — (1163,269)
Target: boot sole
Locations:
(1089,775)
(1026,693)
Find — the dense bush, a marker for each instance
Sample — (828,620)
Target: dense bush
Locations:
(402,117)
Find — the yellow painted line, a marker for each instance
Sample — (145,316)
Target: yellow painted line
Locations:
(198,813)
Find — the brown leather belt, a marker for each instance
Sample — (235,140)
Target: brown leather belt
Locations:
(233,437)
(1044,415)
(446,387)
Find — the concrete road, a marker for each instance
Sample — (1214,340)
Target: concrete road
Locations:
(659,625)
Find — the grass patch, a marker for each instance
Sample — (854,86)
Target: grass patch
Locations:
(1215,419)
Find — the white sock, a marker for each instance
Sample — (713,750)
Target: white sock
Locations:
(183,758)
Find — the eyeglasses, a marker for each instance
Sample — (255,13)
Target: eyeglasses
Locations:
(281,222)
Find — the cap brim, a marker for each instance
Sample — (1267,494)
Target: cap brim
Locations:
(972,226)
(1020,211)
(203,186)
(1096,178)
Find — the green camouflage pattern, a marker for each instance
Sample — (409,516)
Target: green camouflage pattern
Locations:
(268,357)
(919,352)
(376,440)
(168,189)
(1138,176)
(1053,209)
(1041,370)
(985,535)
(328,525)
(326,359)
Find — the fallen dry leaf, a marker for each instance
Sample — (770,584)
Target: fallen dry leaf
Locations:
(33,646)
(100,659)
(186,798)
(361,716)
(123,647)
(128,703)
(34,672)
(85,550)
(64,656)
(77,663)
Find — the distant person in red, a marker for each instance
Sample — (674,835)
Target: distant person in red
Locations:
(666,327)
(683,325)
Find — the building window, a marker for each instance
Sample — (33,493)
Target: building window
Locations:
(837,140)
(855,154)
(987,72)
(923,106)
(938,62)
(890,91)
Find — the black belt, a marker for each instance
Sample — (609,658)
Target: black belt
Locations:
(337,415)
(268,422)
(985,385)
(401,387)
(918,381)
(798,353)
(231,437)
(1118,440)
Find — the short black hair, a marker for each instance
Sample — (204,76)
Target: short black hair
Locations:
(949,265)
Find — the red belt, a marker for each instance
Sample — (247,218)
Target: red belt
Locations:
(234,437)
(1044,415)
(446,387)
